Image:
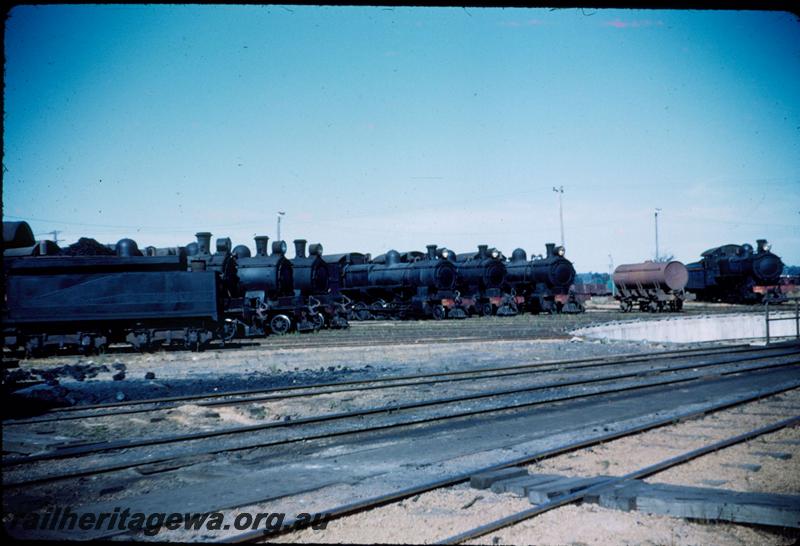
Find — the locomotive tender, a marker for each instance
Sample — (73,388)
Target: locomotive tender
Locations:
(90,301)
(737,274)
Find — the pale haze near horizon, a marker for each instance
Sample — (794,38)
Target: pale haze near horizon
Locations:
(378,128)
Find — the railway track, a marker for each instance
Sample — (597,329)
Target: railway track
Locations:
(276,393)
(283,440)
(361,506)
(771,353)
(641,473)
(400,415)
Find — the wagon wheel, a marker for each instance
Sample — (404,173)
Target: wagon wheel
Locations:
(438,312)
(280,324)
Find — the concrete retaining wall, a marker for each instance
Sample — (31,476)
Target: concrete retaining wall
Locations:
(684,329)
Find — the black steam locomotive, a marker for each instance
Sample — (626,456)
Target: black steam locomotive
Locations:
(395,285)
(541,284)
(737,274)
(480,282)
(90,296)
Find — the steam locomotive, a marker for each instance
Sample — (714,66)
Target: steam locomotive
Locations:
(401,285)
(737,274)
(541,284)
(480,282)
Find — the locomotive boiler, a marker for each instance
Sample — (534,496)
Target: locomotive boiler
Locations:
(737,274)
(652,286)
(541,284)
(399,289)
(480,282)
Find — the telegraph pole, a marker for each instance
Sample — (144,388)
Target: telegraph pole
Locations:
(656,216)
(54,233)
(560,192)
(280,214)
(611,275)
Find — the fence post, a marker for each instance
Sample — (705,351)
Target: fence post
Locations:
(797,318)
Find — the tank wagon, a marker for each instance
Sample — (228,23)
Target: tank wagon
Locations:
(652,286)
(737,274)
(542,284)
(480,282)
(59,297)
(390,287)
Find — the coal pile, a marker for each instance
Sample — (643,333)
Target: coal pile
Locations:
(87,247)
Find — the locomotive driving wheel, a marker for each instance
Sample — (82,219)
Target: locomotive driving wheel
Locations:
(280,324)
(361,312)
(318,319)
(438,312)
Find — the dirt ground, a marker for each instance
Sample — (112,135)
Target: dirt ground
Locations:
(436,515)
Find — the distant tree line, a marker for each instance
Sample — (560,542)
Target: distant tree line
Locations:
(592,278)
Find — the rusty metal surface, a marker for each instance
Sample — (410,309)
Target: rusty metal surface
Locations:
(664,275)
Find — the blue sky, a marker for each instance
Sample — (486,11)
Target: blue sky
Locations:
(377,128)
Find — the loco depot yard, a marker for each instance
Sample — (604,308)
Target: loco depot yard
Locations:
(384,429)
(400,275)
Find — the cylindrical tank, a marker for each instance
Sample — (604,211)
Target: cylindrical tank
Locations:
(664,275)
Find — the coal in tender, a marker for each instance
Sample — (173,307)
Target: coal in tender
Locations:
(87,247)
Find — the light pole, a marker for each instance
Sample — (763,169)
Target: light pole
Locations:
(560,192)
(656,216)
(611,275)
(280,214)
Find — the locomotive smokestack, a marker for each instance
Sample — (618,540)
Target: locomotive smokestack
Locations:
(761,245)
(551,249)
(203,242)
(261,245)
(482,251)
(224,245)
(300,248)
(431,252)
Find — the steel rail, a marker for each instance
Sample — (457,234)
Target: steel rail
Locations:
(636,474)
(388,498)
(99,447)
(383,383)
(611,360)
(412,422)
